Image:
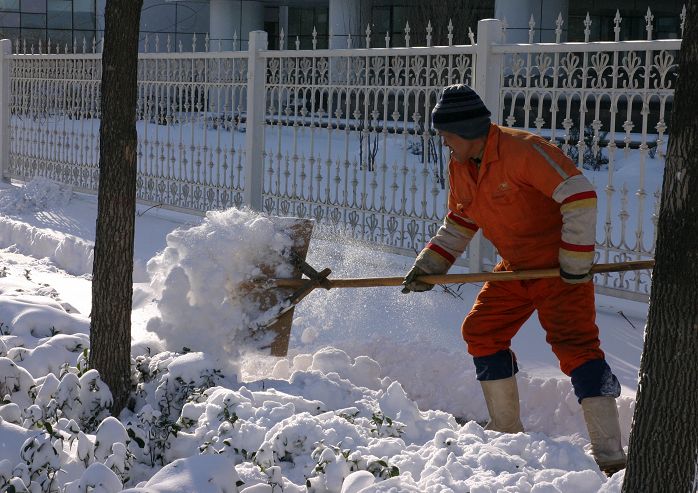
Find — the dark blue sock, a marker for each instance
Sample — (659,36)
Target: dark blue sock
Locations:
(496,366)
(593,379)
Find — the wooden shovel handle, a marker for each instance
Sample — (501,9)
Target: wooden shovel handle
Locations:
(369,282)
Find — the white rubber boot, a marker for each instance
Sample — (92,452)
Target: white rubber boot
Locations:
(502,398)
(601,416)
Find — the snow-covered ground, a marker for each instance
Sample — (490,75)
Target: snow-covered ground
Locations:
(377,394)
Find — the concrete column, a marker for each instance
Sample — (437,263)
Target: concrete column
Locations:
(345,19)
(228,17)
(518,14)
(5,96)
(254,134)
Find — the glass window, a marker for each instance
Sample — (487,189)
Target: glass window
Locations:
(193,17)
(9,4)
(34,6)
(9,19)
(60,14)
(9,33)
(33,36)
(33,20)
(399,19)
(158,16)
(61,37)
(307,22)
(293,16)
(321,20)
(85,37)
(185,39)
(667,28)
(381,20)
(84,5)
(83,20)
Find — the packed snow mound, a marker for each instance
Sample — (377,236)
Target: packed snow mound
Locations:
(196,281)
(40,194)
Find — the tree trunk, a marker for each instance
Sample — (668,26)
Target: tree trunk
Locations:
(663,450)
(112,274)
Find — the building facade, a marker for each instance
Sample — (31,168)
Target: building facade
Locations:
(336,23)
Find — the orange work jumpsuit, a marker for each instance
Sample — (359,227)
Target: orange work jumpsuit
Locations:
(510,197)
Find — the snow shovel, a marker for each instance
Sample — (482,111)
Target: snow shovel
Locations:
(300,231)
(316,279)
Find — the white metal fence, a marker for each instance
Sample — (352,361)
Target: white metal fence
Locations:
(343,136)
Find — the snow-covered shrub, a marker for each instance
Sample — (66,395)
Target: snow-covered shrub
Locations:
(166,383)
(95,399)
(41,455)
(187,376)
(96,478)
(150,433)
(237,434)
(110,447)
(15,383)
(335,464)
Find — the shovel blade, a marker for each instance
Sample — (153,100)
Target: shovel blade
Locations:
(300,231)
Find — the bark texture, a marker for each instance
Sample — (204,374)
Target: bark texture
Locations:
(664,438)
(112,282)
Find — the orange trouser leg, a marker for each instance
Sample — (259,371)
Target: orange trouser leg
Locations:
(567,312)
(499,311)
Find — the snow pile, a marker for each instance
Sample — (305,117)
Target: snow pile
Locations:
(39,194)
(322,422)
(72,254)
(197,278)
(395,408)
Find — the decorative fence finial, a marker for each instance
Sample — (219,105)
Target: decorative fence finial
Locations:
(683,18)
(587,28)
(616,22)
(368,35)
(407,34)
(531,29)
(314,38)
(429,29)
(281,39)
(649,18)
(558,27)
(450,32)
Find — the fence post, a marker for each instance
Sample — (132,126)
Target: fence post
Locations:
(5,95)
(254,132)
(487,83)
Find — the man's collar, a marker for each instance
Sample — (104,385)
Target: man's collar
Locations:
(491,152)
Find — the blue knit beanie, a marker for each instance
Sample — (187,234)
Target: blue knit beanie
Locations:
(461,111)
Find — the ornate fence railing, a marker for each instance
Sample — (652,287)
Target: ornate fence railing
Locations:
(343,136)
